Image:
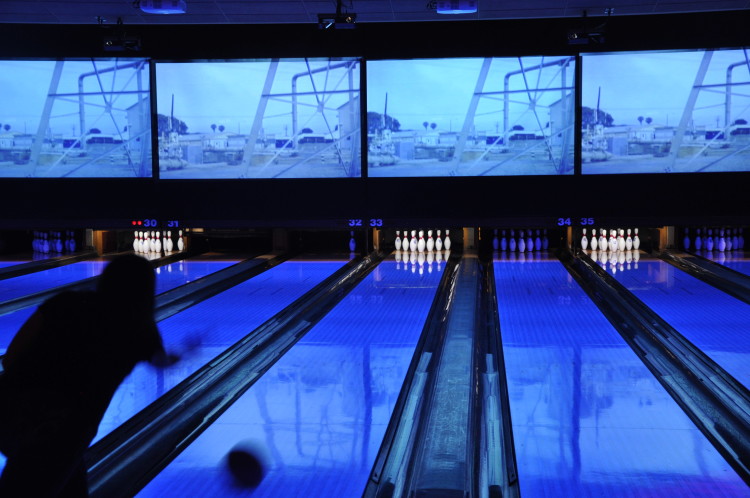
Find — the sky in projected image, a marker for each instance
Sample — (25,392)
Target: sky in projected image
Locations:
(302,115)
(92,117)
(470,117)
(651,120)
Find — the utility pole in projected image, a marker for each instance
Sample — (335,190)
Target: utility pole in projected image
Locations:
(247,156)
(36,147)
(687,112)
(471,112)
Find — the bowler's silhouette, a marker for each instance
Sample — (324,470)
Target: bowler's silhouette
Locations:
(61,371)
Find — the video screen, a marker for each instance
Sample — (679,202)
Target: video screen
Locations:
(666,112)
(470,117)
(75,118)
(287,118)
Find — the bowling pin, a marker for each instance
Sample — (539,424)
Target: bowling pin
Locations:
(512,243)
(72,241)
(594,241)
(495,241)
(740,240)
(538,241)
(603,240)
(735,240)
(529,242)
(438,244)
(421,244)
(716,238)
(352,242)
(503,242)
(58,242)
(430,241)
(180,242)
(521,242)
(584,241)
(722,242)
(686,240)
(629,241)
(157,244)
(709,241)
(620,239)
(45,243)
(447,242)
(413,243)
(136,243)
(698,240)
(545,240)
(398,241)
(636,242)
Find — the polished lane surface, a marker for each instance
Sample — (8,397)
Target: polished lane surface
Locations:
(46,279)
(589,419)
(319,414)
(205,330)
(167,277)
(738,261)
(715,322)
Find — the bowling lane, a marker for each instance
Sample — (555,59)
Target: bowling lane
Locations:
(715,322)
(46,279)
(738,261)
(167,277)
(589,419)
(205,330)
(321,411)
(170,275)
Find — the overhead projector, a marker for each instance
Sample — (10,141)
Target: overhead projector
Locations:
(163,6)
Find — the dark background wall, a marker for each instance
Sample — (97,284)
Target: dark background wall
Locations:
(704,198)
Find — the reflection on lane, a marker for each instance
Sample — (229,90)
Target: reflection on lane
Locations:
(167,277)
(715,322)
(738,261)
(321,411)
(588,418)
(205,330)
(46,279)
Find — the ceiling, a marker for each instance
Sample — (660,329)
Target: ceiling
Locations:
(306,11)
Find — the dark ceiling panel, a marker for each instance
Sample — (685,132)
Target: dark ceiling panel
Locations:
(306,11)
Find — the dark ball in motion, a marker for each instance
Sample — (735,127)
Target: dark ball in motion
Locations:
(246,465)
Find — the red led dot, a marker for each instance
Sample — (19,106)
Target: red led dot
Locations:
(133,222)
(140,222)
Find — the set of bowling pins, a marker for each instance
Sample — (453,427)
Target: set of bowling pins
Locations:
(53,242)
(719,239)
(617,260)
(616,241)
(526,241)
(154,243)
(420,244)
(416,260)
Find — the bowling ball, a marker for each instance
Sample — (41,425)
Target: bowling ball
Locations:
(246,464)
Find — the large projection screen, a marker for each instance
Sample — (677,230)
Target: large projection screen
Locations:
(272,118)
(75,118)
(470,116)
(666,112)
